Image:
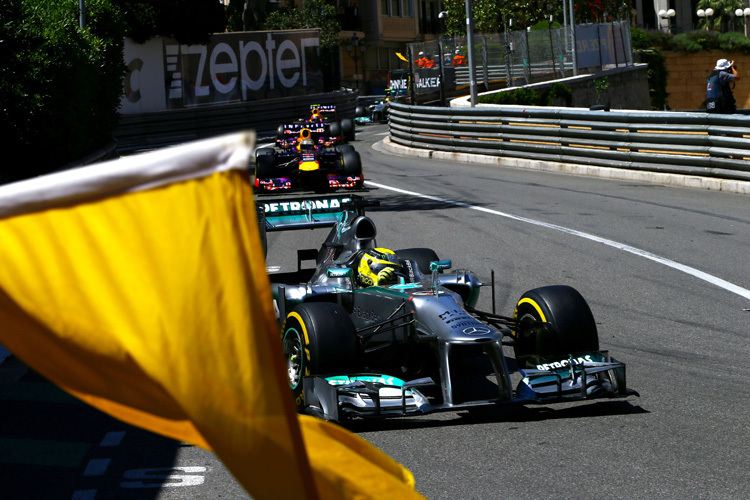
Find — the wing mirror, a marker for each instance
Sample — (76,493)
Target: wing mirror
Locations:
(435,266)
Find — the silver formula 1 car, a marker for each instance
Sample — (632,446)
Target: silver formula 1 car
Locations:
(419,345)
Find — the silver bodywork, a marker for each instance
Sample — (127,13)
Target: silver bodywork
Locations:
(432,315)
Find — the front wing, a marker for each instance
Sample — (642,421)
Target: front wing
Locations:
(344,397)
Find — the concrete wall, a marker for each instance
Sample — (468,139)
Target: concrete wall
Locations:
(686,82)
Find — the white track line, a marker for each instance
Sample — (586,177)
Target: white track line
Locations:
(731,287)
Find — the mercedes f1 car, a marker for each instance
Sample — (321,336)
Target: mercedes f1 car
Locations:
(306,161)
(372,110)
(420,345)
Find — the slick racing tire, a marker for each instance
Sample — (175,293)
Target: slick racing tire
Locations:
(360,111)
(569,328)
(347,129)
(334,130)
(377,116)
(318,338)
(264,165)
(422,256)
(352,163)
(342,148)
(280,132)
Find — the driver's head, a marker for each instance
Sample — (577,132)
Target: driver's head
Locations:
(307,145)
(378,266)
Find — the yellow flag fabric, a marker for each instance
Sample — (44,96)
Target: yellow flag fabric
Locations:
(139,285)
(400,56)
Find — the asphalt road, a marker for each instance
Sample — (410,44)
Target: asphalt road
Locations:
(662,268)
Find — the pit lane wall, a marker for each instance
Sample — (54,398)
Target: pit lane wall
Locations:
(690,144)
(175,92)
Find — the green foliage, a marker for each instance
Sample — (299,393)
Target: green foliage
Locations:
(61,85)
(309,15)
(601,85)
(734,42)
(544,26)
(558,90)
(187,21)
(521,96)
(692,41)
(684,43)
(657,77)
(723,16)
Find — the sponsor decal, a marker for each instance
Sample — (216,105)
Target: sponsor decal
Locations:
(378,379)
(409,266)
(238,65)
(464,324)
(476,330)
(453,312)
(365,314)
(399,84)
(564,363)
(294,206)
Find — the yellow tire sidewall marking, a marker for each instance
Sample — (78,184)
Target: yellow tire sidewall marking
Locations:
(533,303)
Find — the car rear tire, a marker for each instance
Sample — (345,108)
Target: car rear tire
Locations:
(352,163)
(280,132)
(264,166)
(318,338)
(360,111)
(347,129)
(570,327)
(334,129)
(343,148)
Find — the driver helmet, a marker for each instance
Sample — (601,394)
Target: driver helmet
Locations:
(307,145)
(378,266)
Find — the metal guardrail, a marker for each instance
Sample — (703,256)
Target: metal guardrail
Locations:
(164,128)
(673,142)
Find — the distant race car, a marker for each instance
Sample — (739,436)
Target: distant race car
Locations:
(325,121)
(418,344)
(302,162)
(372,109)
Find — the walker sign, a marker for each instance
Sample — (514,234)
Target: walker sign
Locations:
(163,74)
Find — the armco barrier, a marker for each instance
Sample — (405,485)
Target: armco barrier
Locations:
(163,128)
(672,142)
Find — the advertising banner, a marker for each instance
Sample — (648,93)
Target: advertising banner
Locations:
(599,45)
(234,67)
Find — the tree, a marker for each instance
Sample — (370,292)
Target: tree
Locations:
(187,21)
(310,14)
(61,85)
(723,16)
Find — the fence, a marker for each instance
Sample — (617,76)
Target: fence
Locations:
(516,58)
(681,143)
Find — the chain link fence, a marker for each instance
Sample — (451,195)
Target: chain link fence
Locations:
(517,58)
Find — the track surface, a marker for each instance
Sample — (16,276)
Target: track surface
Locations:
(656,265)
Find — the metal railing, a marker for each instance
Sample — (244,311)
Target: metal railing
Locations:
(673,142)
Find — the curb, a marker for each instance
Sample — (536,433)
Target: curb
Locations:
(664,179)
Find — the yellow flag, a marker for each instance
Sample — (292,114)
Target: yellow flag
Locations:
(400,56)
(139,285)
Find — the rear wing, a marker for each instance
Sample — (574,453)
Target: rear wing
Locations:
(309,212)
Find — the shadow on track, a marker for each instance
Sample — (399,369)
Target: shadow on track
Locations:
(501,415)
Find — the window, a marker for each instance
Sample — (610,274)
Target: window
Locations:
(397,8)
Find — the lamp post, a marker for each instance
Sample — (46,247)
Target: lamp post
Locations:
(744,14)
(707,14)
(355,46)
(668,15)
(441,52)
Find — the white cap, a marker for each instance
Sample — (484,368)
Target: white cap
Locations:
(722,64)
